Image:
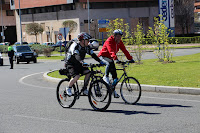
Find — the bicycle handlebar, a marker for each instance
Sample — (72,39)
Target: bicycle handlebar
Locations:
(93,65)
(124,62)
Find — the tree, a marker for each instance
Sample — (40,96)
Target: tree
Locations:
(34,29)
(118,23)
(184,12)
(139,41)
(159,35)
(72,26)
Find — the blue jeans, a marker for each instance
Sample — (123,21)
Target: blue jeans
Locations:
(110,67)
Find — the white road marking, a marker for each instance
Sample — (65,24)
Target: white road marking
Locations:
(21,81)
(44,119)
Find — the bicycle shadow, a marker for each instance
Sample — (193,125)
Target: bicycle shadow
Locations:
(163,105)
(128,112)
(154,104)
(125,112)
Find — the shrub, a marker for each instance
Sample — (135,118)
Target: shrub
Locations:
(47,52)
(58,49)
(3,48)
(42,49)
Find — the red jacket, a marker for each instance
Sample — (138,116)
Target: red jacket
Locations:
(110,49)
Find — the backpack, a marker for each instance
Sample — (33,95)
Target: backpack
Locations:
(69,44)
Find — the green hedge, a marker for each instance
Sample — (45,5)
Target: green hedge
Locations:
(172,40)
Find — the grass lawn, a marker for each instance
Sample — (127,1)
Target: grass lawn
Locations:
(185,72)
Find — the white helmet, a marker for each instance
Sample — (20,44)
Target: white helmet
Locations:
(118,32)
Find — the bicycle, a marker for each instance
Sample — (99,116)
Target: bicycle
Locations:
(130,88)
(99,94)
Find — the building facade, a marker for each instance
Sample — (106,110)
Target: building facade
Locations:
(7,23)
(51,15)
(197,16)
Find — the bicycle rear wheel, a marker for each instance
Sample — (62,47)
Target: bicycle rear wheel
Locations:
(63,99)
(99,95)
(130,90)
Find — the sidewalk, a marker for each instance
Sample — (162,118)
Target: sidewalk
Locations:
(149,88)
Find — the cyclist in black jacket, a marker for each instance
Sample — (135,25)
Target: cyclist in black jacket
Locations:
(74,61)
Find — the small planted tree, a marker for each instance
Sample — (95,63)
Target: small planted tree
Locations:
(139,41)
(34,29)
(118,23)
(159,35)
(72,26)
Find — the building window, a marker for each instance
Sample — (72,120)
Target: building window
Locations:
(24,11)
(68,7)
(12,2)
(9,13)
(85,5)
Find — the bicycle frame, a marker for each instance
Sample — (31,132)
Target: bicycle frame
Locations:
(93,77)
(123,75)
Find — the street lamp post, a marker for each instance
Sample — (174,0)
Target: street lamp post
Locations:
(2,33)
(88,6)
(20,23)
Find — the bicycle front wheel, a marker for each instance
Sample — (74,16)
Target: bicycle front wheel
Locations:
(130,90)
(99,95)
(63,99)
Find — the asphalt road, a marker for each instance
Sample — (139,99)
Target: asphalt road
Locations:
(28,105)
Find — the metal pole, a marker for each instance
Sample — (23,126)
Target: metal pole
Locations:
(2,33)
(88,6)
(20,24)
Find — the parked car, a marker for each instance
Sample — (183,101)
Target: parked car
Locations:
(23,53)
(57,44)
(4,43)
(1,59)
(48,43)
(94,44)
(31,43)
(18,43)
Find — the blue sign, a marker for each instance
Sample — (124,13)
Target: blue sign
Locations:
(103,21)
(166,9)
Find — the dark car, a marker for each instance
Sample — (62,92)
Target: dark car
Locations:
(18,43)
(23,53)
(1,59)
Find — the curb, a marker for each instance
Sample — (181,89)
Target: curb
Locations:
(148,88)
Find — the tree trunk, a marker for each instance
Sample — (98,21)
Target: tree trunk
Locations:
(36,37)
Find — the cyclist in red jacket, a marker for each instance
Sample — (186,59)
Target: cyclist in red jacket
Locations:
(108,55)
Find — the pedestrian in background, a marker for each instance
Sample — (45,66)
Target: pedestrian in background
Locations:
(10,55)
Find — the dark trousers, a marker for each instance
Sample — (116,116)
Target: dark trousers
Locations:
(11,62)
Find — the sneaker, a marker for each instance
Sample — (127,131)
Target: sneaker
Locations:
(69,91)
(85,92)
(106,79)
(115,94)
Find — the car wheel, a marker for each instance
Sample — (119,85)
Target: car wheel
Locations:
(35,60)
(28,62)
(17,61)
(2,63)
